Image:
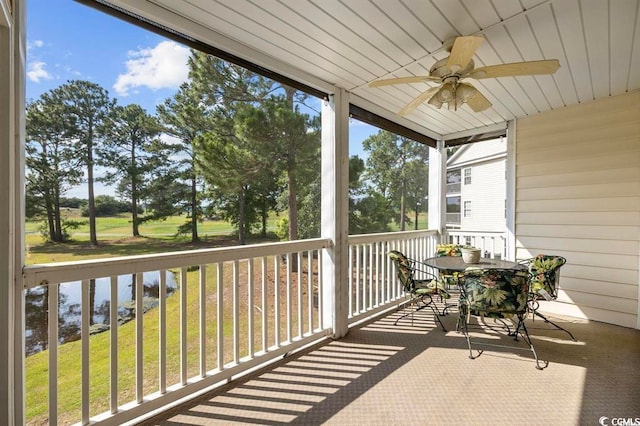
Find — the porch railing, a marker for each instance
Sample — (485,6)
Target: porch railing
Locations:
(236,308)
(491,243)
(372,281)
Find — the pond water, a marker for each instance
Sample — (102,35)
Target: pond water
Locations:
(69,313)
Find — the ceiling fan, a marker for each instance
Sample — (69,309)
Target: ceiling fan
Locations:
(459,65)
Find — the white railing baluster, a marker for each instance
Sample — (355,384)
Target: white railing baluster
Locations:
(250,308)
(310,290)
(363,272)
(350,295)
(202,286)
(288,296)
(139,337)
(377,290)
(220,316)
(84,339)
(183,326)
(392,273)
(385,271)
(320,291)
(265,328)
(371,300)
(276,290)
(162,332)
(52,318)
(236,312)
(358,272)
(113,349)
(300,273)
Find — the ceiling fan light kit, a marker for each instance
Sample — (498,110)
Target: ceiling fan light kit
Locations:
(459,65)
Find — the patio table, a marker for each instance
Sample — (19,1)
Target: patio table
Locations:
(455,263)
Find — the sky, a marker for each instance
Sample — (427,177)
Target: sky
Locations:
(69,41)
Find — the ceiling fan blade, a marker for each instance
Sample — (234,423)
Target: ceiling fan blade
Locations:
(477,102)
(401,80)
(462,51)
(516,68)
(417,101)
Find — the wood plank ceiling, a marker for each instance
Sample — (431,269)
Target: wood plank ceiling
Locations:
(349,43)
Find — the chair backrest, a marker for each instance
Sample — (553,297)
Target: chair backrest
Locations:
(404,269)
(448,277)
(443,250)
(495,291)
(545,275)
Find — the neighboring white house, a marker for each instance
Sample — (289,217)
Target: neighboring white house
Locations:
(476,187)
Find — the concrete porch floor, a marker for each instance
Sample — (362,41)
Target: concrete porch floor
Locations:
(386,374)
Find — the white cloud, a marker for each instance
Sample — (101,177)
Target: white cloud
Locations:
(163,66)
(34,44)
(36,72)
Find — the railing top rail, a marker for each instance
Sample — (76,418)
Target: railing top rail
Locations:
(44,274)
(390,236)
(477,233)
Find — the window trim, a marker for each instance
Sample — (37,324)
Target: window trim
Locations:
(466,208)
(466,175)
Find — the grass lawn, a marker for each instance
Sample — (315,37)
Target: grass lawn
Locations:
(114,238)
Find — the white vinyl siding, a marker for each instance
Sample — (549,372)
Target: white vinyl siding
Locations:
(578,196)
(481,166)
(486,194)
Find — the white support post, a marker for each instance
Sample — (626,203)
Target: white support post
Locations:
(12,58)
(334,217)
(511,191)
(438,188)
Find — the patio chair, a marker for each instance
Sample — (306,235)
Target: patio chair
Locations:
(419,284)
(499,294)
(544,276)
(449,279)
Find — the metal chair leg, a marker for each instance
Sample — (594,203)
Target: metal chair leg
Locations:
(521,329)
(554,324)
(429,304)
(525,336)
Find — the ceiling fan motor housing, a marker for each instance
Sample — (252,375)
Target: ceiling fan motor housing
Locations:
(442,71)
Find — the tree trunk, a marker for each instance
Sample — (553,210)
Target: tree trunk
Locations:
(415,222)
(134,215)
(51,218)
(92,299)
(403,208)
(194,210)
(57,215)
(132,310)
(241,237)
(265,214)
(92,201)
(134,196)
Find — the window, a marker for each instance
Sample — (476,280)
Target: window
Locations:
(453,210)
(467,209)
(467,176)
(453,181)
